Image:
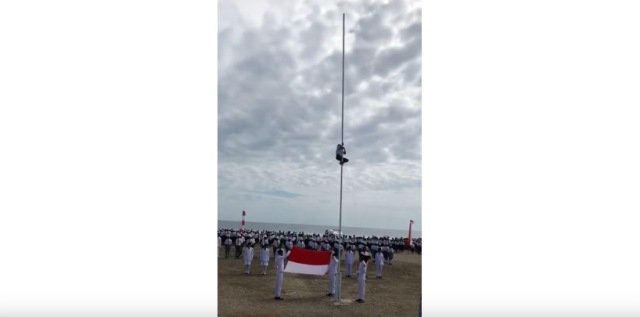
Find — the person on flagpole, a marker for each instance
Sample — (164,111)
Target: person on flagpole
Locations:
(340,153)
(247,257)
(279,263)
(332,271)
(362,275)
(264,258)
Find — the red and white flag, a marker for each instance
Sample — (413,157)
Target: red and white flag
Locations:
(310,262)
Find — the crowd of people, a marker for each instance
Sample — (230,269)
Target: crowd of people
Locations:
(380,249)
(233,238)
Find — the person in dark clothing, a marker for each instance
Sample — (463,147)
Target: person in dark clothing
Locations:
(340,153)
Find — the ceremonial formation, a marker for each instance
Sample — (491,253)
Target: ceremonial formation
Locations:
(276,247)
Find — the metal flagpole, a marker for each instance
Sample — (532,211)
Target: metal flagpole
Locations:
(339,277)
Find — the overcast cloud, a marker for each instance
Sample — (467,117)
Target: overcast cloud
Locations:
(279,111)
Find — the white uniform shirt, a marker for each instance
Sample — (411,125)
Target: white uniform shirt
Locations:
(279,262)
(264,256)
(362,271)
(348,257)
(248,255)
(379,259)
(333,266)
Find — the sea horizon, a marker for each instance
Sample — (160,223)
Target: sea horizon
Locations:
(320,229)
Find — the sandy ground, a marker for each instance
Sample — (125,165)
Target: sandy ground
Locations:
(396,294)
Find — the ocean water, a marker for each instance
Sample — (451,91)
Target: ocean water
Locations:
(320,229)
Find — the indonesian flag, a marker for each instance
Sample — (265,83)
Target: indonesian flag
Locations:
(310,262)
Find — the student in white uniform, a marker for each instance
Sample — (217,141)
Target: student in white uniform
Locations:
(227,247)
(239,242)
(362,275)
(348,261)
(289,244)
(385,253)
(333,272)
(275,244)
(247,256)
(279,263)
(264,258)
(379,263)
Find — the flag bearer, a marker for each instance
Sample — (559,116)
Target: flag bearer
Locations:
(289,245)
(362,275)
(332,272)
(279,263)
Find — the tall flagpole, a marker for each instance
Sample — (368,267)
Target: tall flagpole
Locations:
(339,277)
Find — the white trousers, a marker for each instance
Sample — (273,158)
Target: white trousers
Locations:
(361,286)
(332,283)
(379,269)
(279,280)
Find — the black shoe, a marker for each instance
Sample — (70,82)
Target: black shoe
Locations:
(329,294)
(360,300)
(278,298)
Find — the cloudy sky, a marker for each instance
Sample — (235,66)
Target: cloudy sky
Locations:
(279,111)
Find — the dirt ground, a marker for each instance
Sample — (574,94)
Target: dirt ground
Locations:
(396,294)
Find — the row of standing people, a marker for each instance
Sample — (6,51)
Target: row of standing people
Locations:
(387,251)
(349,260)
(332,271)
(315,241)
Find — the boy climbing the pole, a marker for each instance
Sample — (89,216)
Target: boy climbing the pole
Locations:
(340,153)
